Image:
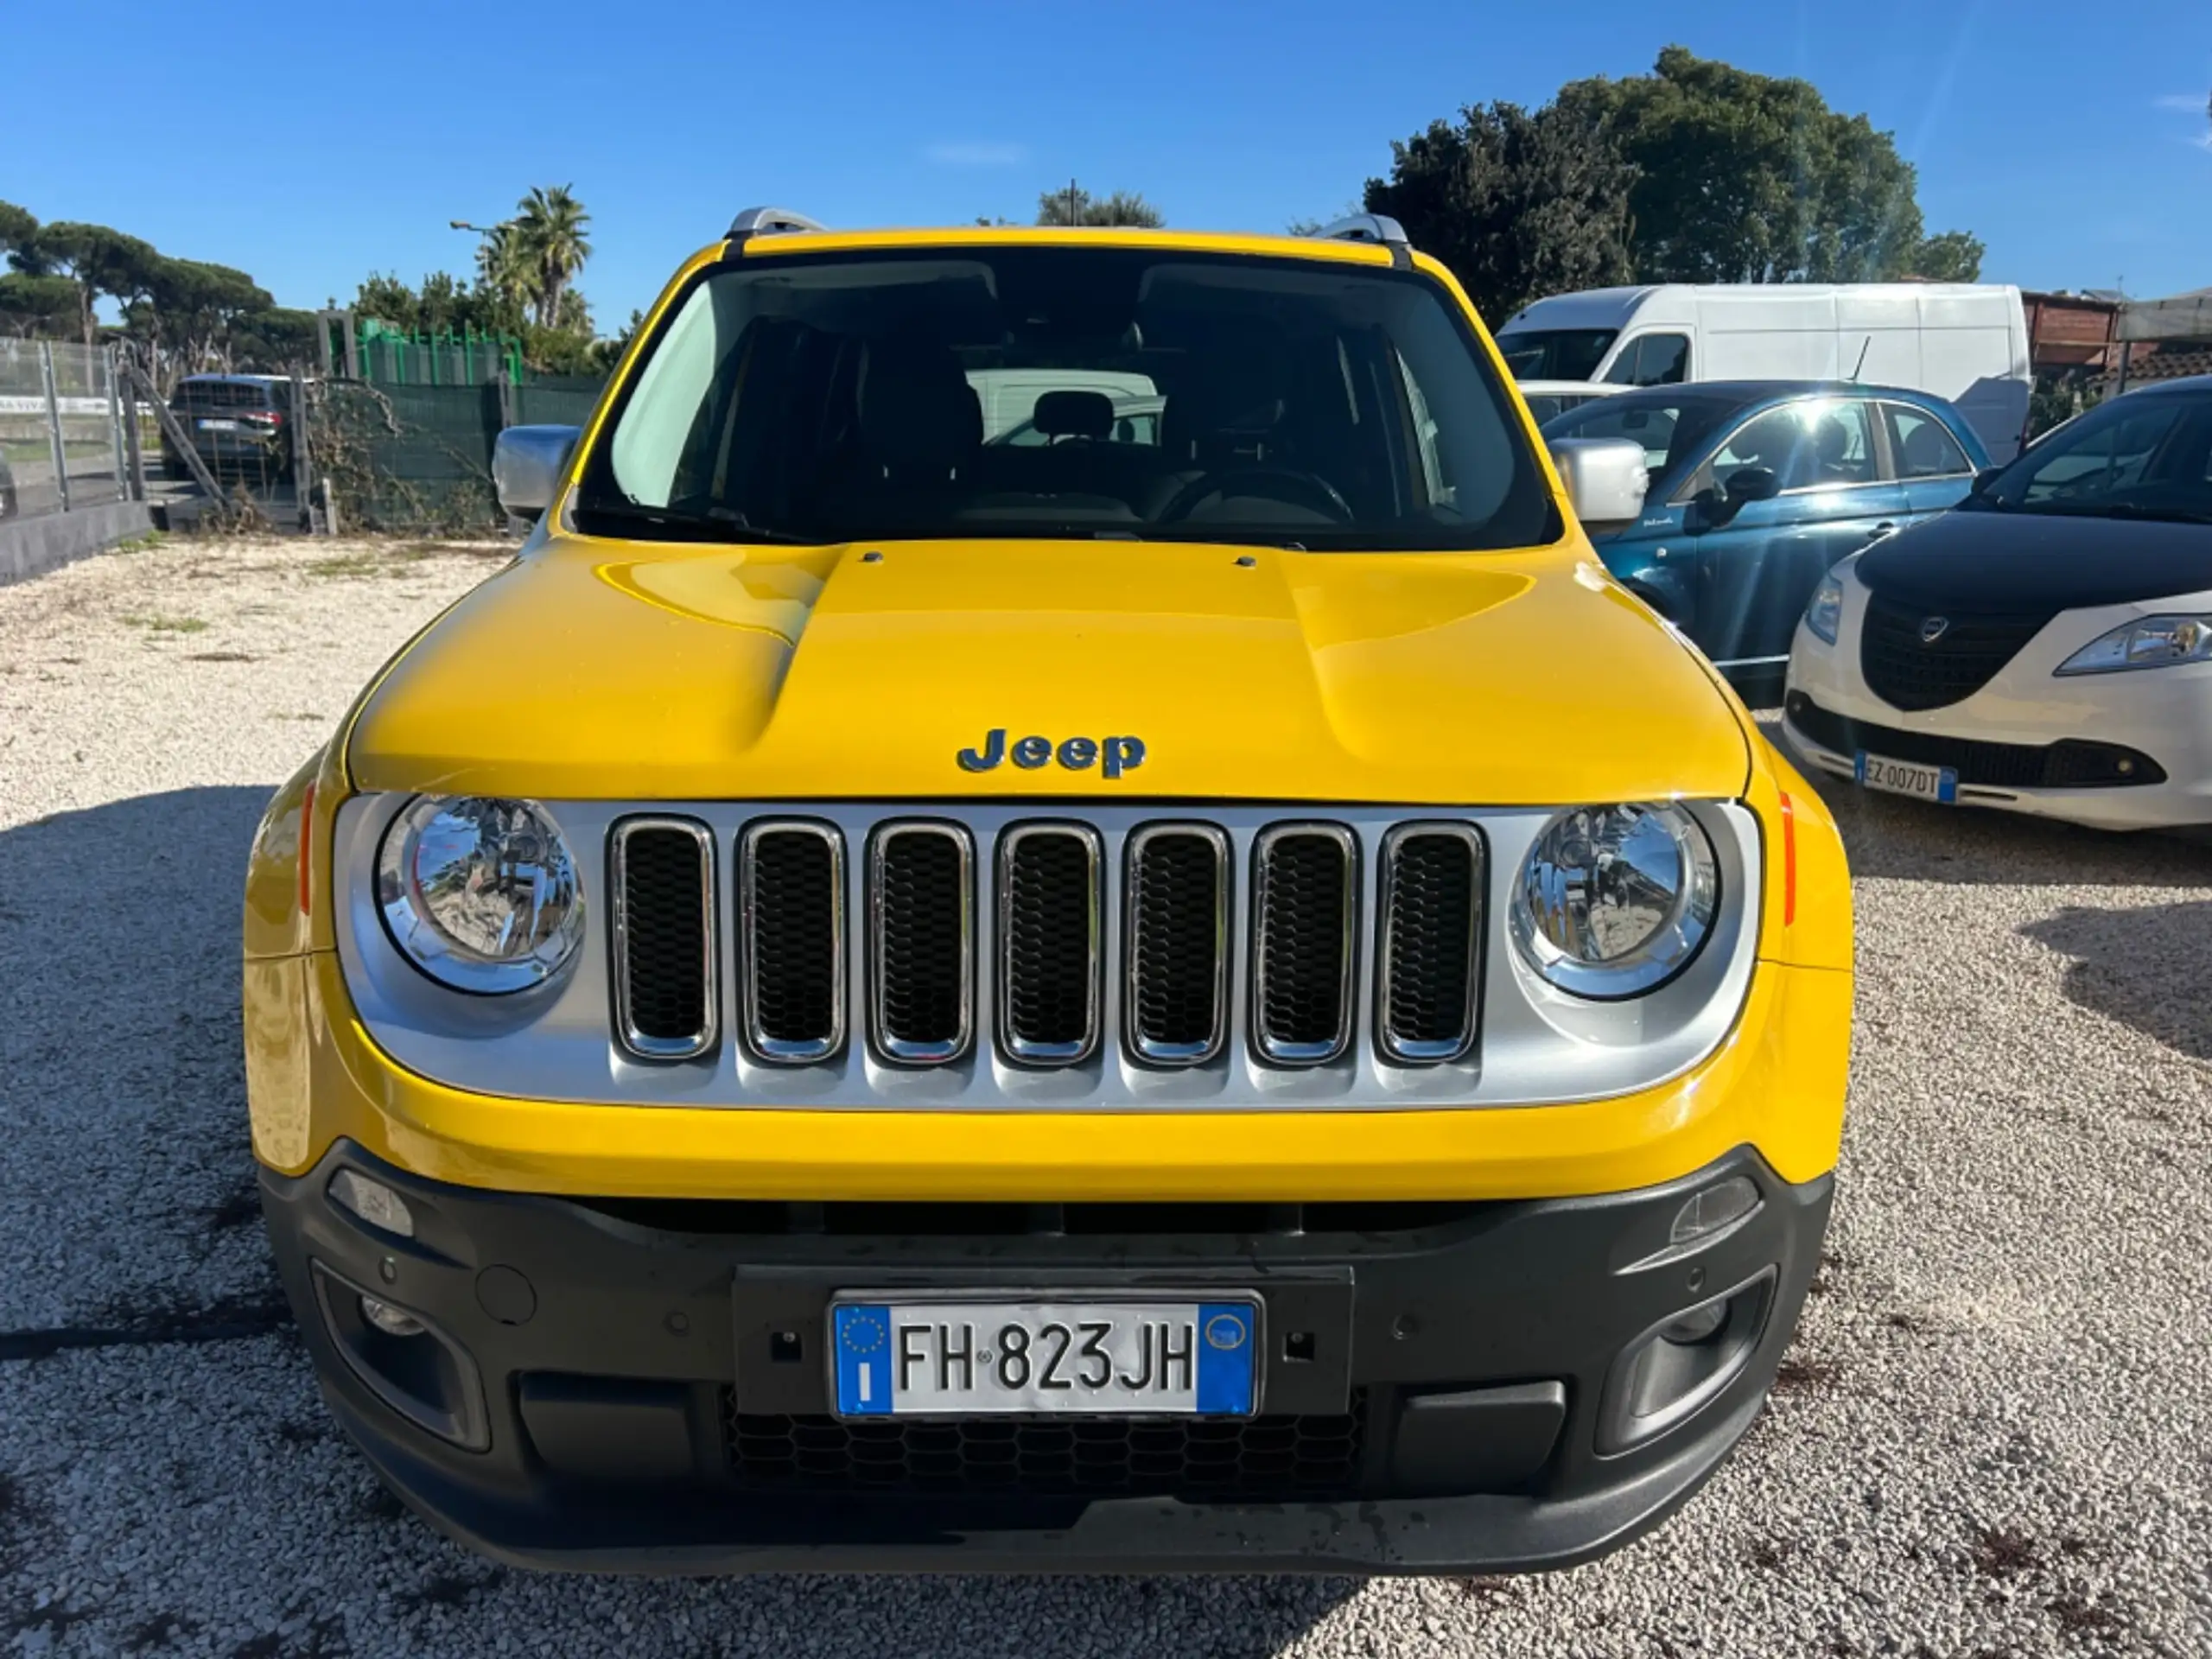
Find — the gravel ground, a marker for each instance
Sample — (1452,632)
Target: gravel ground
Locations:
(1991,1439)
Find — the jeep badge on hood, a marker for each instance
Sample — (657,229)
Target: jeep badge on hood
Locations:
(1112,755)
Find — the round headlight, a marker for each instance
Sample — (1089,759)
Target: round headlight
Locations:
(1613,901)
(480,895)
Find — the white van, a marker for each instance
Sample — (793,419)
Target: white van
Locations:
(1967,342)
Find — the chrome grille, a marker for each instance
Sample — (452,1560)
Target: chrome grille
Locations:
(791,932)
(661,872)
(1049,941)
(1305,909)
(1431,919)
(922,946)
(1177,940)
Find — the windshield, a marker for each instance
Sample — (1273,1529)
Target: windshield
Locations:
(1672,425)
(1556,353)
(1130,392)
(2146,456)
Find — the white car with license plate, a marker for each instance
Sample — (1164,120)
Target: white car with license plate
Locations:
(2044,648)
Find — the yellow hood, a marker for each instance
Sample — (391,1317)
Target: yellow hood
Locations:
(604,669)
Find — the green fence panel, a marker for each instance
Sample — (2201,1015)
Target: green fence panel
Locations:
(416,458)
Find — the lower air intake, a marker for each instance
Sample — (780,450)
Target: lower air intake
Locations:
(1259,1458)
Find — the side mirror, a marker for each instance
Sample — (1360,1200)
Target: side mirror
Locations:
(527,463)
(1605,478)
(1750,484)
(1984,479)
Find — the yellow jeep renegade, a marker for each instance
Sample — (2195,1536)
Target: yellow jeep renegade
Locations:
(1056,918)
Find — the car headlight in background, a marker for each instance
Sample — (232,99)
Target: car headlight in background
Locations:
(1825,614)
(2153,642)
(1613,901)
(480,893)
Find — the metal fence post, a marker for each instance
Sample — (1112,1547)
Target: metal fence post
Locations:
(53,422)
(115,423)
(127,390)
(302,461)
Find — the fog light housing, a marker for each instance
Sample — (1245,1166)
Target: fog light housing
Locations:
(392,1321)
(1683,1364)
(406,1361)
(373,1202)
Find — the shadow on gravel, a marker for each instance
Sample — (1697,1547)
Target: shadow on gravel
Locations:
(2146,968)
(122,1124)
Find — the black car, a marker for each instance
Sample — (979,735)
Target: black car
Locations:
(240,424)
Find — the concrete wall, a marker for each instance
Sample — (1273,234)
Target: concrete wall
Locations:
(31,547)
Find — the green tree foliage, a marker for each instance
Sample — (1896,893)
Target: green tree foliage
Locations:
(98,261)
(19,238)
(1517,203)
(1077,207)
(1953,256)
(1751,178)
(37,306)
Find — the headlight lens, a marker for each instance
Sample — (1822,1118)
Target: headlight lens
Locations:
(479,894)
(1825,614)
(2154,642)
(1613,901)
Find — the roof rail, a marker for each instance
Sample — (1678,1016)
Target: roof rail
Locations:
(1371,227)
(771,221)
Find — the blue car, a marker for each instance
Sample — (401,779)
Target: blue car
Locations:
(1757,488)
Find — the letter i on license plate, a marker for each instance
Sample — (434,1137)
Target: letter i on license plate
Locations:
(1029,1358)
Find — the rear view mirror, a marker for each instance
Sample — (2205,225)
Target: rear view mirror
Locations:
(1605,478)
(527,463)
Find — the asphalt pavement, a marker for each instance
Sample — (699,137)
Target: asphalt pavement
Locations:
(1994,1436)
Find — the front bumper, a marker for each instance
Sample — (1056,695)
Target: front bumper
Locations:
(2026,726)
(643,1379)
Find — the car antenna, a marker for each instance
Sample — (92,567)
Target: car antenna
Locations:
(1861,363)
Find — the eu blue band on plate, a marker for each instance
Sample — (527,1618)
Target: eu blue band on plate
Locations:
(1228,1338)
(863,1360)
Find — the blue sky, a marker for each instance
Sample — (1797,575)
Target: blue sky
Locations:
(310,145)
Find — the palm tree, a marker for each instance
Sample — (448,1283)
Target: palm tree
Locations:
(502,272)
(550,245)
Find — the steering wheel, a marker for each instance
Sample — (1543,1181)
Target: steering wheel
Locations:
(1311,489)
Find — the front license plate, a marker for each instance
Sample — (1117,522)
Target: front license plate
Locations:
(218,426)
(1077,1359)
(1904,777)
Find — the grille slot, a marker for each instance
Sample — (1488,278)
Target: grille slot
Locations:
(1430,949)
(1049,942)
(1315,1455)
(1177,943)
(921,902)
(1303,942)
(1969,653)
(791,921)
(661,872)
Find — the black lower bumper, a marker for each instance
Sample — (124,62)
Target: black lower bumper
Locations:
(1447,1388)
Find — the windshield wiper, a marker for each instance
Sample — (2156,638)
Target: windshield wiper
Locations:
(715,525)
